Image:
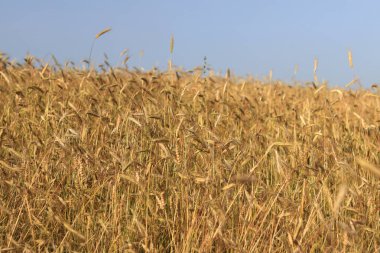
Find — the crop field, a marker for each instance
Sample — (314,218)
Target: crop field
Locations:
(118,160)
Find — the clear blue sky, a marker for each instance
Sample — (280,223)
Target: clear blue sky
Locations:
(250,37)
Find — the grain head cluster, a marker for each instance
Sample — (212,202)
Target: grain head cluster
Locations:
(118,160)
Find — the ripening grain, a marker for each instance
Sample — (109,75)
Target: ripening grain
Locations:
(128,161)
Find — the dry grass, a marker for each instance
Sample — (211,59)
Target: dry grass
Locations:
(163,162)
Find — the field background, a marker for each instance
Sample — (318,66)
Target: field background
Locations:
(131,161)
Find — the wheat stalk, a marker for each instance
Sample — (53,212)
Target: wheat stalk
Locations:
(97,36)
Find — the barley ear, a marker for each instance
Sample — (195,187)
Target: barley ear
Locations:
(102,32)
(350,63)
(315,65)
(171,44)
(315,71)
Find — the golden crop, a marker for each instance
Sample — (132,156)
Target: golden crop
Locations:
(130,161)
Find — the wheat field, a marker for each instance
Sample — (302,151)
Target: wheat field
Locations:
(119,160)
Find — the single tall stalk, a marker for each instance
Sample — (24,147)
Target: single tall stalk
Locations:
(93,42)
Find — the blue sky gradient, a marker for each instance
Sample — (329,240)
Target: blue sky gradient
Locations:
(250,37)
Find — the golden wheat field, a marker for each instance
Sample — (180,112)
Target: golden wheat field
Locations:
(120,160)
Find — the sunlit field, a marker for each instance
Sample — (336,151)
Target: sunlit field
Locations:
(118,160)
